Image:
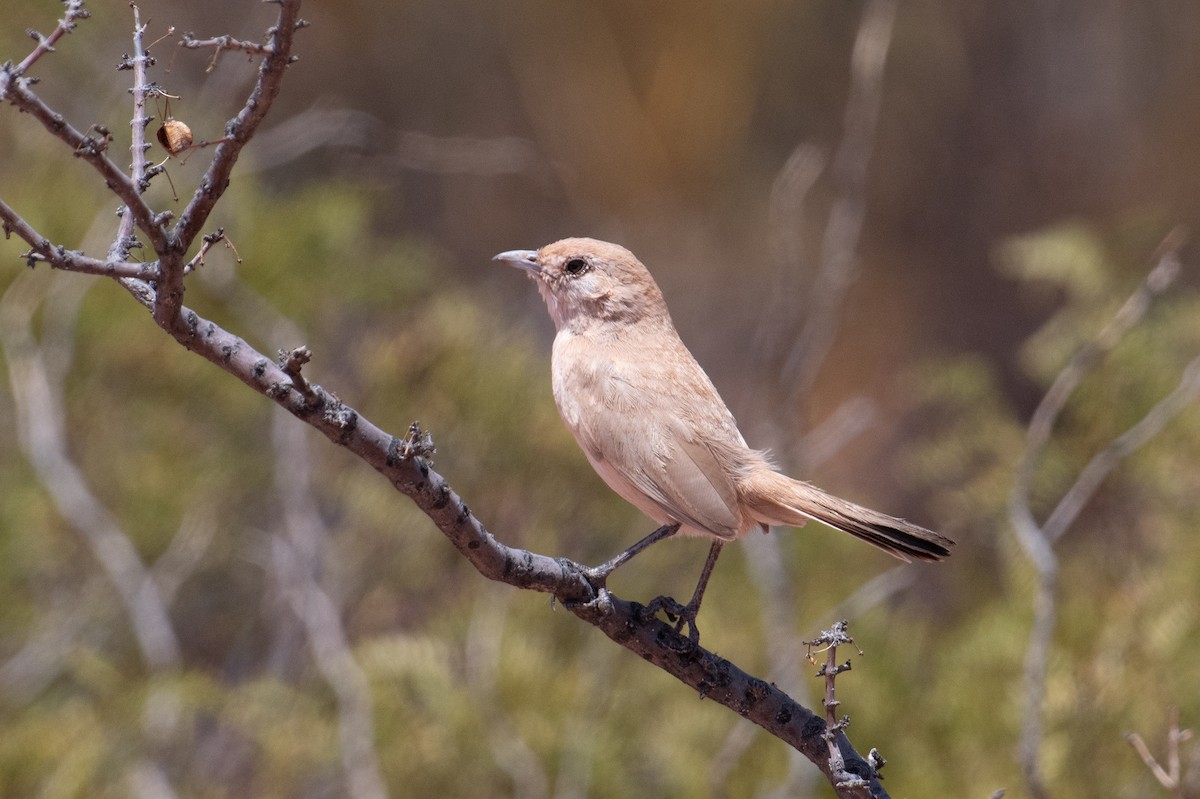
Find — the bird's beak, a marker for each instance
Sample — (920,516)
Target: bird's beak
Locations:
(524,259)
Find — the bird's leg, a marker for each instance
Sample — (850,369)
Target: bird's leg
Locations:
(686,614)
(597,575)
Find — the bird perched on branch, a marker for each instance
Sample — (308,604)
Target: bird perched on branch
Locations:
(654,428)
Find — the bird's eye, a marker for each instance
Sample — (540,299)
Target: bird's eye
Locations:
(575,266)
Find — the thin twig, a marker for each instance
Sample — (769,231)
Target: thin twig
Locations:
(221,44)
(1170,777)
(45,44)
(58,257)
(242,127)
(89,149)
(828,642)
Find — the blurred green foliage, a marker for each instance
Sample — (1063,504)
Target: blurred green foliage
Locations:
(478,690)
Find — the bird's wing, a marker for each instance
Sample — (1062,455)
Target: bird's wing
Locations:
(687,481)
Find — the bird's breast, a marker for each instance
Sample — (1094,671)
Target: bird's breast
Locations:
(587,381)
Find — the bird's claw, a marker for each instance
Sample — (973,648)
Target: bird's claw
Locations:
(596,576)
(677,613)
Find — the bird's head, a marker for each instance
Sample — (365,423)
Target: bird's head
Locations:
(585,281)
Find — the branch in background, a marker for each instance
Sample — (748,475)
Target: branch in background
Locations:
(1037,540)
(385,151)
(482,667)
(293,568)
(60,630)
(43,438)
(1171,777)
(1041,425)
(836,270)
(148,781)
(297,557)
(82,616)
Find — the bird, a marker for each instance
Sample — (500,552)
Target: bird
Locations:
(654,428)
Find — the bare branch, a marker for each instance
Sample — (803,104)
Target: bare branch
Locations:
(90,149)
(1037,540)
(844,227)
(621,620)
(222,44)
(138,146)
(168,301)
(1041,425)
(1121,447)
(241,128)
(58,257)
(1170,777)
(208,242)
(45,44)
(43,438)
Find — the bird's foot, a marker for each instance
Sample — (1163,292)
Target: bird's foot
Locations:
(597,576)
(677,613)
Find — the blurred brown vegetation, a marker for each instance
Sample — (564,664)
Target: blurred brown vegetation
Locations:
(1028,159)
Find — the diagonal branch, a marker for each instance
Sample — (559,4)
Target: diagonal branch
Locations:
(45,44)
(711,676)
(91,149)
(1121,447)
(242,127)
(59,257)
(1041,425)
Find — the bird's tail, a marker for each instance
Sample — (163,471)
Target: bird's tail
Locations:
(775,498)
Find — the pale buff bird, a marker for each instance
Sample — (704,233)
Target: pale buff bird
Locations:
(656,430)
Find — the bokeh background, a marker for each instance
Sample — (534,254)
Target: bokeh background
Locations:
(883,229)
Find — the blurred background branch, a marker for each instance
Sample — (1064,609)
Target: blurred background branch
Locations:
(37,391)
(1038,539)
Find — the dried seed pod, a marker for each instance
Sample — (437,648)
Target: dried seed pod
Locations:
(174,136)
